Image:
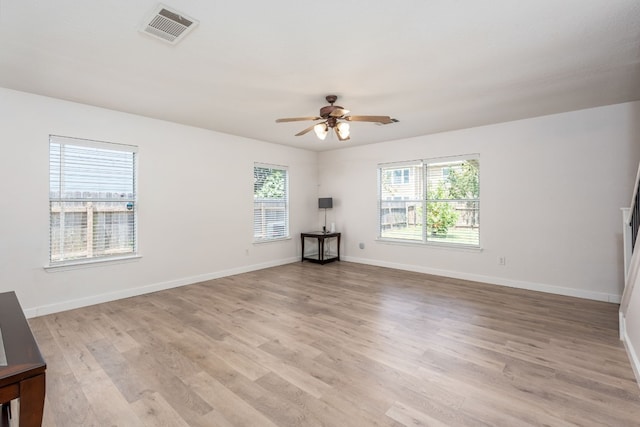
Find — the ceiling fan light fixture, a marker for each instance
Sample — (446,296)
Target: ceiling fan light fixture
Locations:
(321,130)
(342,129)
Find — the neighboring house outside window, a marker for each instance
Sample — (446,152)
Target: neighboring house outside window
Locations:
(270,202)
(399,176)
(438,202)
(92,200)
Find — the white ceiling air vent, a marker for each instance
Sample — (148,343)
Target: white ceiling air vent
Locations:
(168,24)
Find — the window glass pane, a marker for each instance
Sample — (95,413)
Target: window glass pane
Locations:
(113,228)
(453,206)
(452,222)
(92,200)
(68,231)
(404,183)
(86,172)
(401,219)
(400,203)
(270,202)
(454,180)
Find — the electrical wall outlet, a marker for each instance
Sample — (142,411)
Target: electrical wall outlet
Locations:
(502,260)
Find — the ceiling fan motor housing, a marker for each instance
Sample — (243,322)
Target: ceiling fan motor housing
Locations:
(325,112)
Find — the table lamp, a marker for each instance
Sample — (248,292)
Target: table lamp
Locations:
(325,203)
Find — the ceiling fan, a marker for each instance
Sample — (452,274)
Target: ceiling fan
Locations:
(335,117)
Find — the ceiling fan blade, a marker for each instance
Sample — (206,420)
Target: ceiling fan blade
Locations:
(297,119)
(377,119)
(338,112)
(302,132)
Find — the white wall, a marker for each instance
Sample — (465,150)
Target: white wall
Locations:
(551,192)
(551,189)
(195,203)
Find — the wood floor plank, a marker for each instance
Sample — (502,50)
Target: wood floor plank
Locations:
(322,409)
(341,344)
(272,404)
(69,405)
(235,409)
(129,381)
(299,378)
(108,404)
(155,411)
(117,335)
(77,356)
(165,381)
(410,417)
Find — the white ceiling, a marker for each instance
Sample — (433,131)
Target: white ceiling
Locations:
(435,65)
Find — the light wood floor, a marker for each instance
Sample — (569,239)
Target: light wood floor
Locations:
(338,345)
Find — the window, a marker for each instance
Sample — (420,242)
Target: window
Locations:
(270,202)
(398,176)
(92,200)
(437,202)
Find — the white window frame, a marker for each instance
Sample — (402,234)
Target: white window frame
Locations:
(95,203)
(264,229)
(419,204)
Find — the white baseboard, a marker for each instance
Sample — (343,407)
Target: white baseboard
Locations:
(631,351)
(541,287)
(126,293)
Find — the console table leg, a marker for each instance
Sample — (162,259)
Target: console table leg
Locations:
(5,414)
(32,392)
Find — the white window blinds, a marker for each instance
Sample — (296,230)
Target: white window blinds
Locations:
(92,199)
(270,202)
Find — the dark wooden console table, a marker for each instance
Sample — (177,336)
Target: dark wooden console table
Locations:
(22,376)
(324,240)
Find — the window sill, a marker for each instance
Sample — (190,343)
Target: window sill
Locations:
(436,245)
(279,239)
(74,265)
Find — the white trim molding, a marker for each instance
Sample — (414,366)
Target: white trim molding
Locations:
(634,359)
(500,281)
(126,293)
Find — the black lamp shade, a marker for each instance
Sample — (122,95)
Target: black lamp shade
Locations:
(325,203)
